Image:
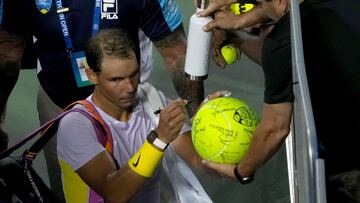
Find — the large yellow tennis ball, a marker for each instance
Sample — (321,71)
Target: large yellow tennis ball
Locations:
(229,53)
(222,130)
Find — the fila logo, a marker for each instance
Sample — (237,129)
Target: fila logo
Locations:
(109,9)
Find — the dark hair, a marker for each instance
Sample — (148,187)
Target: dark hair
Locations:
(108,42)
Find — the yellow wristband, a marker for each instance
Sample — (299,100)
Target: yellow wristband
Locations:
(145,161)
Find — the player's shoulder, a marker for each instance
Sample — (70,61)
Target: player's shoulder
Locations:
(74,117)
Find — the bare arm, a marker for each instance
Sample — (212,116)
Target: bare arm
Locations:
(268,136)
(11,50)
(233,22)
(184,147)
(113,185)
(173,49)
(249,44)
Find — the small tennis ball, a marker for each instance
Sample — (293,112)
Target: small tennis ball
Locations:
(239,8)
(222,130)
(229,53)
(235,8)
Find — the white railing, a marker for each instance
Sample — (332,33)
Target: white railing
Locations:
(306,170)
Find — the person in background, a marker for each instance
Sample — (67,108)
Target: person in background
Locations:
(249,20)
(3,136)
(332,54)
(8,78)
(130,173)
(61,29)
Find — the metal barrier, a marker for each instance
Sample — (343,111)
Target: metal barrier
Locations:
(306,170)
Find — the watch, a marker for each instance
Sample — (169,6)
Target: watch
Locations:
(243,180)
(152,138)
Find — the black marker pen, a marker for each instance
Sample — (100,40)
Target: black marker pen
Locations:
(159,110)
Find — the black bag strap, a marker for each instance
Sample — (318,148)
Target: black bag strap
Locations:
(31,135)
(47,131)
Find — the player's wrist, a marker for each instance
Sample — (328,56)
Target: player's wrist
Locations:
(146,160)
(243,179)
(158,142)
